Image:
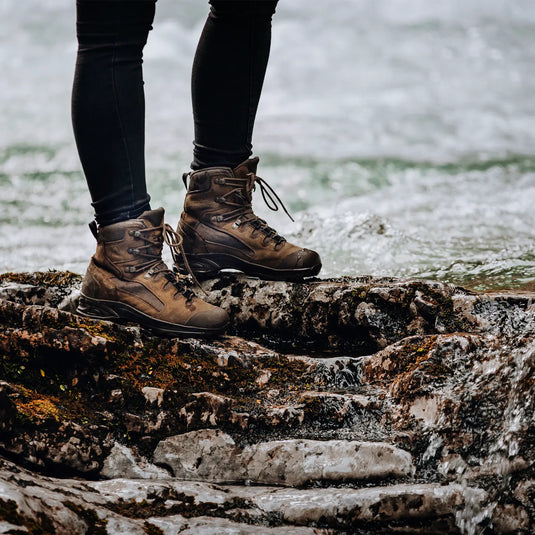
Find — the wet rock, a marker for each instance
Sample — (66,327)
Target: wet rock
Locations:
(359,314)
(153,395)
(371,506)
(208,455)
(525,493)
(123,462)
(432,382)
(510,518)
(211,455)
(124,505)
(179,525)
(206,408)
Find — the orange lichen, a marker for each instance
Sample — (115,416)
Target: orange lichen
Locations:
(412,355)
(34,406)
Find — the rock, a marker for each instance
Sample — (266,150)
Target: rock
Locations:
(206,455)
(211,455)
(525,493)
(7,527)
(432,383)
(371,506)
(360,314)
(179,525)
(133,506)
(297,462)
(153,395)
(122,462)
(509,518)
(207,409)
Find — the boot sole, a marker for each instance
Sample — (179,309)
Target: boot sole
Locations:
(210,265)
(101,309)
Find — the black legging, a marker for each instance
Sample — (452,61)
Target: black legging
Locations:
(108,106)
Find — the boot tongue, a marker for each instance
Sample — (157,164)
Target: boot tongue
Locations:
(242,171)
(246,167)
(154,218)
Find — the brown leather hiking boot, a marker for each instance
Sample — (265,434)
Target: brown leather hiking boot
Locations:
(221,231)
(128,280)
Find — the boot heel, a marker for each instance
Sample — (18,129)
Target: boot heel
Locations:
(91,308)
(201,267)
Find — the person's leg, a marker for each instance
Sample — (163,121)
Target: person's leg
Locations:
(228,73)
(126,278)
(108,107)
(218,225)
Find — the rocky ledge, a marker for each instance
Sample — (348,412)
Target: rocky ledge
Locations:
(347,406)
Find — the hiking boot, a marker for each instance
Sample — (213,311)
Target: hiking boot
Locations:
(220,230)
(128,280)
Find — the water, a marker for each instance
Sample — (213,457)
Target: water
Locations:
(400,133)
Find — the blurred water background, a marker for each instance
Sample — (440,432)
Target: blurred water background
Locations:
(400,133)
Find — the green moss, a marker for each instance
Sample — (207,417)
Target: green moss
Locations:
(95,328)
(360,293)
(285,372)
(157,363)
(35,409)
(40,408)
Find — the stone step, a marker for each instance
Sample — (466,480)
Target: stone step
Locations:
(411,508)
(205,525)
(355,315)
(212,455)
(448,377)
(273,410)
(133,506)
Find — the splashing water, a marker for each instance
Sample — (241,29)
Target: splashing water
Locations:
(400,134)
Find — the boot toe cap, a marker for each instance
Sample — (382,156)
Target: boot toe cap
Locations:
(214,319)
(303,259)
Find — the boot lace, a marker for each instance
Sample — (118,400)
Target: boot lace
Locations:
(152,252)
(241,198)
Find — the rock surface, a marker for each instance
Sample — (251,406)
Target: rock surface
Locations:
(211,455)
(338,406)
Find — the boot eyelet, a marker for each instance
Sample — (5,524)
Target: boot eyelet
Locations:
(219,200)
(220,180)
(137,234)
